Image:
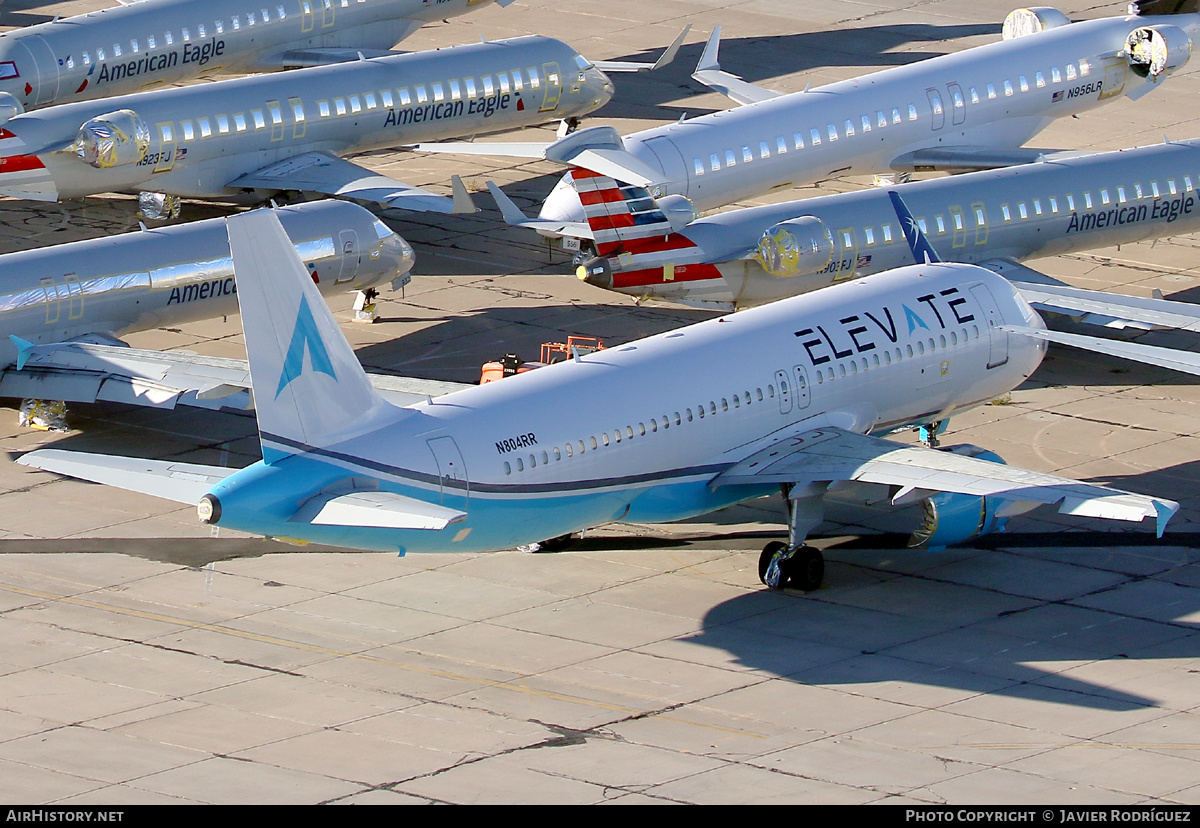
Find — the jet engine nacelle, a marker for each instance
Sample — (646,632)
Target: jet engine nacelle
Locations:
(796,247)
(679,210)
(1156,51)
(1022,22)
(113,139)
(950,518)
(10,107)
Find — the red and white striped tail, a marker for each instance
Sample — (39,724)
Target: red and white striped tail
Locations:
(620,215)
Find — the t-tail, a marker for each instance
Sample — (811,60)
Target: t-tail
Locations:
(310,390)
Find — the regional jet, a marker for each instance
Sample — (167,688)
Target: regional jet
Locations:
(247,138)
(65,308)
(966,111)
(155,42)
(784,397)
(995,218)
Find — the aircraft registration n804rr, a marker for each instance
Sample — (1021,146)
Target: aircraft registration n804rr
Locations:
(674,426)
(64,307)
(141,44)
(993,218)
(249,137)
(965,111)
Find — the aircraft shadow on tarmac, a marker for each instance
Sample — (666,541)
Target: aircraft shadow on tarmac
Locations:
(948,619)
(761,59)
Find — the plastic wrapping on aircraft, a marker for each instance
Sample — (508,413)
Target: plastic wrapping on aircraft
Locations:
(113,139)
(158,205)
(1157,51)
(43,415)
(796,247)
(1022,22)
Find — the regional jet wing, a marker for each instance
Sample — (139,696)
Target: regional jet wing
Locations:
(971,159)
(91,372)
(319,172)
(181,482)
(833,454)
(709,72)
(324,56)
(515,218)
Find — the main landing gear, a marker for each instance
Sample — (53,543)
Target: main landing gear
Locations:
(795,564)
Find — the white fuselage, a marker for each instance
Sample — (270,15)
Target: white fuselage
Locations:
(991,97)
(204,137)
(639,431)
(1035,210)
(128,48)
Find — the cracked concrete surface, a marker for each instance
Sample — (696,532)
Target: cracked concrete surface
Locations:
(146,658)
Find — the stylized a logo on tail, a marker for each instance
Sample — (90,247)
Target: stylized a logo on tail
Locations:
(304,338)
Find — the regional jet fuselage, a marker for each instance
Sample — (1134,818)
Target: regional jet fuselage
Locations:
(993,218)
(131,47)
(199,140)
(968,110)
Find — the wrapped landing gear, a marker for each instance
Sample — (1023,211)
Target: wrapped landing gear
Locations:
(795,564)
(364,306)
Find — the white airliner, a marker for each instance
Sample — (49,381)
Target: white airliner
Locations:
(782,397)
(64,308)
(249,137)
(965,111)
(994,218)
(151,42)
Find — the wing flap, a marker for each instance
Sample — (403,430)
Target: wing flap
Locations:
(832,454)
(181,482)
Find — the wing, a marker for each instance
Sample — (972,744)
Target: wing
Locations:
(320,172)
(833,454)
(91,372)
(708,72)
(324,56)
(379,509)
(968,159)
(515,218)
(181,482)
(638,66)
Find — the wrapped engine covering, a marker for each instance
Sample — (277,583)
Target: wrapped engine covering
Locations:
(113,139)
(1022,22)
(796,247)
(1157,51)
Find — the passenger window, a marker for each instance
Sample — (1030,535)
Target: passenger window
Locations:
(239,121)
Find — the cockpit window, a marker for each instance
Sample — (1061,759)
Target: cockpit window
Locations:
(382,231)
(582,63)
(8,69)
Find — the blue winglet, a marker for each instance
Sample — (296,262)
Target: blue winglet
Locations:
(922,251)
(24,349)
(1164,513)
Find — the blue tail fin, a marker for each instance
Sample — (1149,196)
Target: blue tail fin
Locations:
(922,251)
(309,388)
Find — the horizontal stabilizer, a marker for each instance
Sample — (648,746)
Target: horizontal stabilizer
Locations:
(833,454)
(1185,362)
(1070,300)
(637,66)
(385,510)
(618,164)
(709,72)
(180,482)
(319,172)
(515,218)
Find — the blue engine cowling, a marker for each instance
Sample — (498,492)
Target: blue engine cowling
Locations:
(949,518)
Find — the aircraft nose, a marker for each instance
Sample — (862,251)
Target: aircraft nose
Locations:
(401,252)
(600,85)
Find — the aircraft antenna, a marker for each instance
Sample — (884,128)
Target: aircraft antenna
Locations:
(142,225)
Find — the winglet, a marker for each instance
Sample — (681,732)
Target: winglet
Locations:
(672,50)
(1164,512)
(508,208)
(708,58)
(463,203)
(24,350)
(922,251)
